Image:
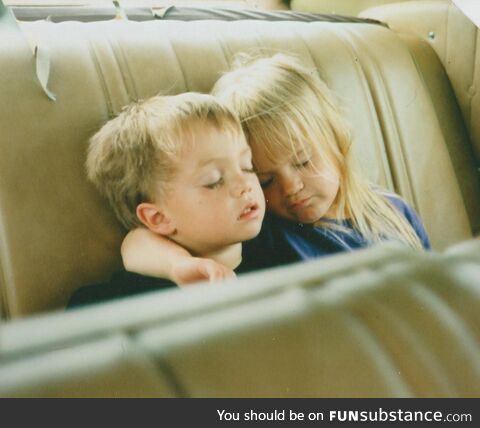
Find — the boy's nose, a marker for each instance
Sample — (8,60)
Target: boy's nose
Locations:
(241,186)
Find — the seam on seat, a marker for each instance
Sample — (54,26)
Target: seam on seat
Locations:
(101,78)
(224,48)
(369,92)
(462,190)
(421,353)
(474,73)
(381,150)
(123,67)
(447,29)
(464,88)
(257,46)
(435,303)
(380,357)
(159,365)
(379,91)
(177,59)
(261,47)
(5,273)
(382,304)
(168,373)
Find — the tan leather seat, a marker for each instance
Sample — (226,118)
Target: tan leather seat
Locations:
(388,323)
(106,367)
(58,234)
(340,7)
(384,322)
(453,37)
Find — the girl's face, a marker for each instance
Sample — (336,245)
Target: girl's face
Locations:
(297,186)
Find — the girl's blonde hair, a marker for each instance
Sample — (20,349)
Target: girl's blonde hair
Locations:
(133,156)
(284,106)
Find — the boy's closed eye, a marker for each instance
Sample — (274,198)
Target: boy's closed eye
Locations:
(212,179)
(246,163)
(215,184)
(249,169)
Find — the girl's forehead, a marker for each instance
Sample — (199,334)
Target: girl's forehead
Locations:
(267,159)
(276,150)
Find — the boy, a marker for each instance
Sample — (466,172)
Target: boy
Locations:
(181,167)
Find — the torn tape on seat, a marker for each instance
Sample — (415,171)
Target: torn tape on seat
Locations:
(41,54)
(42,64)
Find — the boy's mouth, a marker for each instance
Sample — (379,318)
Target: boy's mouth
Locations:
(249,212)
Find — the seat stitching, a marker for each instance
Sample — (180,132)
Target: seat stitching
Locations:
(447,20)
(123,65)
(431,300)
(474,73)
(369,94)
(5,273)
(174,380)
(408,333)
(380,357)
(421,76)
(101,78)
(388,111)
(180,67)
(224,48)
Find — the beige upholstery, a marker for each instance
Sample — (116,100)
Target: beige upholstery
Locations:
(58,234)
(340,7)
(384,322)
(454,37)
(470,248)
(388,323)
(107,367)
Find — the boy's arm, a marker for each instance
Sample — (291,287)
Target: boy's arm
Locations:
(149,254)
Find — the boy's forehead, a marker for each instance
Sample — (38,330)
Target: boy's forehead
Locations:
(205,141)
(203,129)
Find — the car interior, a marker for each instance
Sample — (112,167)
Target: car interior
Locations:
(385,321)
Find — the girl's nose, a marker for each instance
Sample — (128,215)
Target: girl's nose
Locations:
(291,184)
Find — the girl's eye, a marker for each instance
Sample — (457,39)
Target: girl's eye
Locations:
(302,164)
(249,170)
(215,185)
(266,182)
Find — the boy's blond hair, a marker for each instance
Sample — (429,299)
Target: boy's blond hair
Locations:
(284,106)
(133,156)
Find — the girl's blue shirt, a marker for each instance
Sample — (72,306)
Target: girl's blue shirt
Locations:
(282,241)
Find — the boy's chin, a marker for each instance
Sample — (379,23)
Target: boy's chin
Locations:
(253,232)
(253,235)
(256,228)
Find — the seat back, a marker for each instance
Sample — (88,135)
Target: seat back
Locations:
(57,233)
(387,323)
(454,38)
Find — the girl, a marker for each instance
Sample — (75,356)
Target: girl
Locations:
(318,205)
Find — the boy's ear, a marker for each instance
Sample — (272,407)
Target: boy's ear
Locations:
(154,219)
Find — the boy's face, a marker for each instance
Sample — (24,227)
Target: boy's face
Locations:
(214,198)
(298,187)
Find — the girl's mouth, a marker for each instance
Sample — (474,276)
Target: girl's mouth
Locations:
(299,204)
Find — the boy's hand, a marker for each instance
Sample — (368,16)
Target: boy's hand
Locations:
(193,269)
